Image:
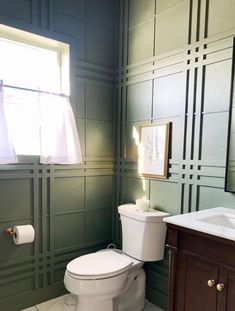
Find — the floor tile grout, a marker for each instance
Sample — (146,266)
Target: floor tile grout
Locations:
(67,303)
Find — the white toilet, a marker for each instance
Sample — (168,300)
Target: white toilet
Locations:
(114,280)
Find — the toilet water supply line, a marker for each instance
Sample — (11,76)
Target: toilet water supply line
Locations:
(111,246)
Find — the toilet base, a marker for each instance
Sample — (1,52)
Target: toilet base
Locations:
(91,304)
(133,297)
(123,292)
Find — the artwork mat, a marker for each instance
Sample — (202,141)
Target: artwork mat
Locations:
(153,150)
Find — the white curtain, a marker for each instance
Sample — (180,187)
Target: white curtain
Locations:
(7,152)
(58,134)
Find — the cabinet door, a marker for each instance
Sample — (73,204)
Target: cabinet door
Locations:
(193,292)
(226,297)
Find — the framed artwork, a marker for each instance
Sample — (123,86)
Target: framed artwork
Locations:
(153,150)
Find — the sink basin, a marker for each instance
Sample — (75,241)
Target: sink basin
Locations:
(218,221)
(224,220)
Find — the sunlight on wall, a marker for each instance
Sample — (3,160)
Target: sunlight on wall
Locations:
(136,136)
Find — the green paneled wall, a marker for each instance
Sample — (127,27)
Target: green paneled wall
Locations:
(71,207)
(175,66)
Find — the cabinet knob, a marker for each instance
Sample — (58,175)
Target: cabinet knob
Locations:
(211,283)
(220,287)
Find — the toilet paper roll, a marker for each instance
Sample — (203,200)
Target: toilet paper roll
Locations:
(23,234)
(142,204)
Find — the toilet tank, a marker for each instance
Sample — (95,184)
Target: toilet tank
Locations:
(143,232)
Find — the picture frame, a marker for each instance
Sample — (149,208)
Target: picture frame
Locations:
(153,150)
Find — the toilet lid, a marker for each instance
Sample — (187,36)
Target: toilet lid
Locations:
(98,265)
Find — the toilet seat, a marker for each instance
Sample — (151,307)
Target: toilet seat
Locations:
(98,265)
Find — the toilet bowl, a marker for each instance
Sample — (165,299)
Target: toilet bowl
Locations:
(100,277)
(114,280)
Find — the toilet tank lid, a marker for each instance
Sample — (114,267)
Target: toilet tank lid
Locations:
(151,215)
(100,264)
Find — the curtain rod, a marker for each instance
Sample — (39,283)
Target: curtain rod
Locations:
(31,90)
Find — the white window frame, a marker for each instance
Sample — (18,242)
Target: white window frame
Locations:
(62,50)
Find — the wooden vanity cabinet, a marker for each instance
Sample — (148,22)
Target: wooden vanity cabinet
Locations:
(201,271)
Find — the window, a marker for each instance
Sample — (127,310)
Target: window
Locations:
(24,65)
(30,63)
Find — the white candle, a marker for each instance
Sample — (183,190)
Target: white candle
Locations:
(142,204)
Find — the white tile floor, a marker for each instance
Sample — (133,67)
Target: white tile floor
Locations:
(67,303)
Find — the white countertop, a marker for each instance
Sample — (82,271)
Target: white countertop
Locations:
(218,221)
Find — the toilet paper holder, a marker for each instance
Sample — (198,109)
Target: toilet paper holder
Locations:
(21,234)
(9,231)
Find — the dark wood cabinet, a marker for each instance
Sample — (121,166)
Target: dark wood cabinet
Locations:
(201,271)
(193,293)
(226,301)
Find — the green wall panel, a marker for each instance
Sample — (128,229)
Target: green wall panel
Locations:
(17,287)
(161,201)
(221,16)
(177,135)
(99,102)
(75,9)
(140,45)
(139,101)
(59,275)
(163,5)
(212,197)
(169,73)
(100,46)
(156,282)
(164,103)
(11,251)
(157,297)
(139,11)
(217,86)
(19,205)
(96,13)
(172,24)
(99,139)
(69,194)
(81,95)
(98,192)
(98,225)
(66,25)
(232,138)
(81,126)
(70,206)
(68,230)
(214,149)
(135,188)
(18,10)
